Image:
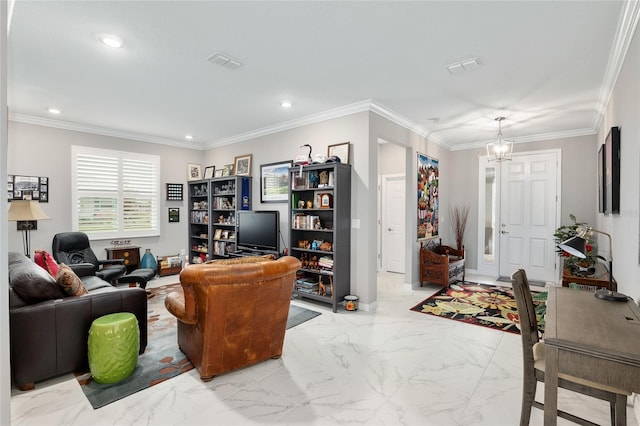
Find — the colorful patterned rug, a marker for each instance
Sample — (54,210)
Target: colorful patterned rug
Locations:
(481,304)
(162,359)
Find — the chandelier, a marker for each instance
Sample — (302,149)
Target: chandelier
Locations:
(501,149)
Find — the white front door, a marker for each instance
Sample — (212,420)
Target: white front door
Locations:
(528,215)
(392,223)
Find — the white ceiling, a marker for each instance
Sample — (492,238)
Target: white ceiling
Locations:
(547,66)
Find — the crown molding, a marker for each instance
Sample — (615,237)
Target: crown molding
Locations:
(402,121)
(97,130)
(367,105)
(532,138)
(293,124)
(626,28)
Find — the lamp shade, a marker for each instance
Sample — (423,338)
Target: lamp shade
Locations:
(575,246)
(26,210)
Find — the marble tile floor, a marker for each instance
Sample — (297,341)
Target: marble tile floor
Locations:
(391,367)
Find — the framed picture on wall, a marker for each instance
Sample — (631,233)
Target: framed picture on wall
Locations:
(612,171)
(242,165)
(209,171)
(28,188)
(602,196)
(194,171)
(340,150)
(174,214)
(274,182)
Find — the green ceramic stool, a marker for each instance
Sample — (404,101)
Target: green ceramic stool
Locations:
(114,342)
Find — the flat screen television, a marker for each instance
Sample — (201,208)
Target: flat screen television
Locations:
(258,230)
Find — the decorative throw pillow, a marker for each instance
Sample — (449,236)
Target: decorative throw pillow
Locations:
(70,282)
(47,262)
(32,283)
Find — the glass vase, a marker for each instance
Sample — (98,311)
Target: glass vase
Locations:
(149,260)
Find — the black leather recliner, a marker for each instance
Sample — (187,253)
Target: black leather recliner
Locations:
(73,247)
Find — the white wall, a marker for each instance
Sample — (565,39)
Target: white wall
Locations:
(624,110)
(45,151)
(391,159)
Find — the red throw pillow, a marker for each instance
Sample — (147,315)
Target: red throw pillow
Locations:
(47,262)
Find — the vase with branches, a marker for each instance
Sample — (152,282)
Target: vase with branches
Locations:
(459,216)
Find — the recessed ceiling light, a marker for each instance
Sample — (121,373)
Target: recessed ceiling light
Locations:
(111,40)
(189,137)
(54,110)
(286,104)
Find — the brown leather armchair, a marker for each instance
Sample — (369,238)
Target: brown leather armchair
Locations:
(233,313)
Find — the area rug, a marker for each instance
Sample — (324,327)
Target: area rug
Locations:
(162,358)
(481,304)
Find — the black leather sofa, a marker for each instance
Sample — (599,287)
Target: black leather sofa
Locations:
(49,330)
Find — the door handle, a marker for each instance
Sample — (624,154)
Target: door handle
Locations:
(504,232)
(389,229)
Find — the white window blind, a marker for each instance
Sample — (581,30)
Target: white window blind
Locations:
(115,194)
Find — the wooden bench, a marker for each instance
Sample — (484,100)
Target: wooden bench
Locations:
(441,264)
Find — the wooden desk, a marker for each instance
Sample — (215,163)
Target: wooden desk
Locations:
(591,338)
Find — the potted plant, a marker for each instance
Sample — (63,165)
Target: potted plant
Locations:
(576,265)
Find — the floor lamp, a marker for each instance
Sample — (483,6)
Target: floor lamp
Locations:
(27,213)
(577,246)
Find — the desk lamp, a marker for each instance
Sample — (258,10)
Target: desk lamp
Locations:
(27,213)
(577,246)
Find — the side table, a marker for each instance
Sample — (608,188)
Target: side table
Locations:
(130,255)
(598,280)
(114,342)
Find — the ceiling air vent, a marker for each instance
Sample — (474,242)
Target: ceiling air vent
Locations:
(225,61)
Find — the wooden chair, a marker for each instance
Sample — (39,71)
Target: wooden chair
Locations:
(533,352)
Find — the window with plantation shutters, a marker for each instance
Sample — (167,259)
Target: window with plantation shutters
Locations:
(115,194)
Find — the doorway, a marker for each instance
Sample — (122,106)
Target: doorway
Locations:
(392,223)
(519,204)
(391,207)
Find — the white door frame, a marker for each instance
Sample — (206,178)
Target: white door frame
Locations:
(483,162)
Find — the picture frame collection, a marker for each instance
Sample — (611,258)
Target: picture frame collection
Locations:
(35,188)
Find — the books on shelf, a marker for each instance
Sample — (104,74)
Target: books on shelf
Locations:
(307,285)
(201,217)
(326,262)
(224,203)
(304,221)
